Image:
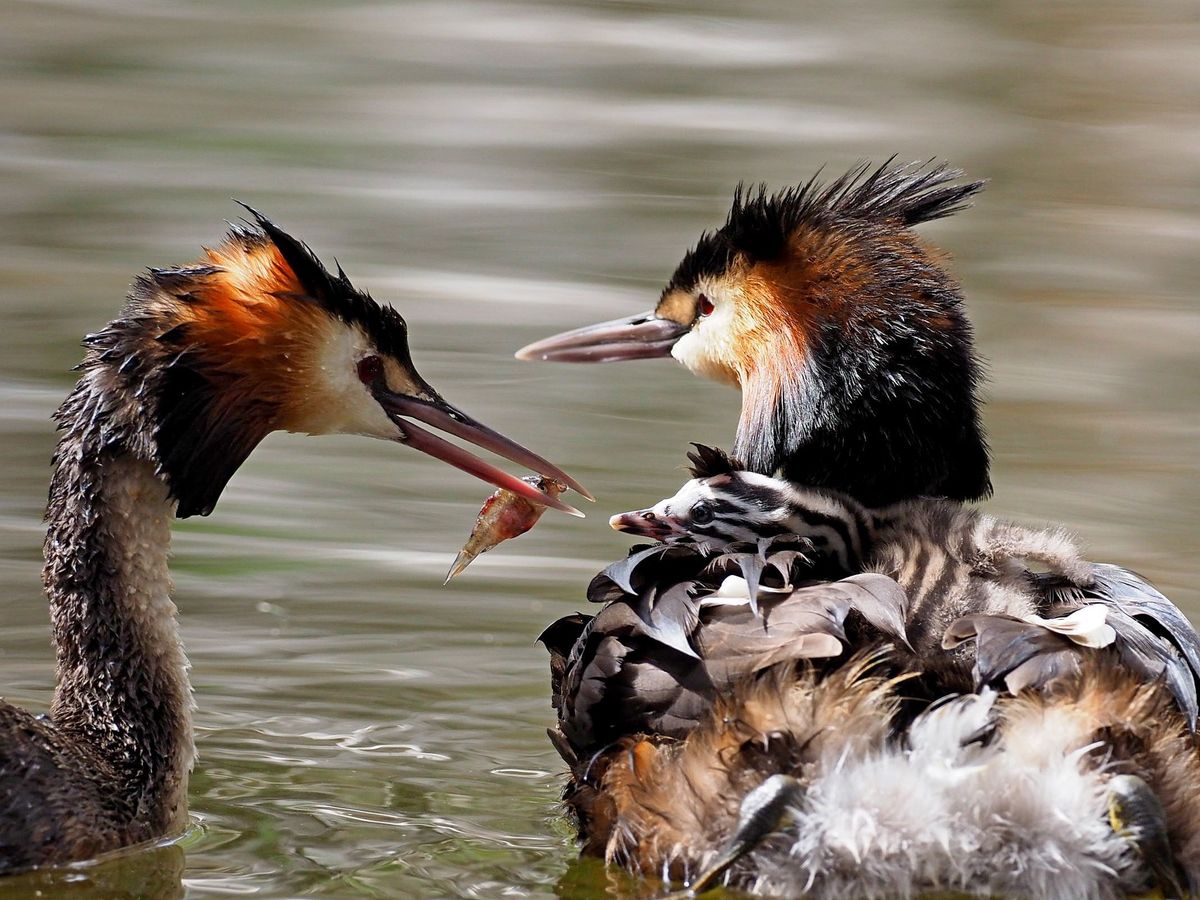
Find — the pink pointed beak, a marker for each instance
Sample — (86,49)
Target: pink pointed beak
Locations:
(644,336)
(646,523)
(445,417)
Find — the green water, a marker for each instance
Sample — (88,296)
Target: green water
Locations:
(500,171)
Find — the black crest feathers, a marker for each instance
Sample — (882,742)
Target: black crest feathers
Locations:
(384,324)
(760,224)
(312,275)
(179,378)
(707,462)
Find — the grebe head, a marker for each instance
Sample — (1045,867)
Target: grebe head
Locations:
(715,511)
(260,337)
(843,331)
(724,503)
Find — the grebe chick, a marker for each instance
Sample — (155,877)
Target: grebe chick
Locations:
(204,361)
(952,561)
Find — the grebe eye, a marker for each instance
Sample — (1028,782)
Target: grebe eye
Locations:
(704,305)
(370,370)
(702,513)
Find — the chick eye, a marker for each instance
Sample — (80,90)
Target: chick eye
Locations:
(704,305)
(370,369)
(702,513)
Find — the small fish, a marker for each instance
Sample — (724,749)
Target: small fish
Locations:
(503,515)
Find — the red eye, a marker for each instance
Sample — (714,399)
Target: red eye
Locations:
(705,305)
(370,369)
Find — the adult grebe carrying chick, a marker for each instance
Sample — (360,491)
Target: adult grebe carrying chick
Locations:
(800,730)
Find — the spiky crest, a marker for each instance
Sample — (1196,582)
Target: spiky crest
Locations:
(387,328)
(212,354)
(760,224)
(710,461)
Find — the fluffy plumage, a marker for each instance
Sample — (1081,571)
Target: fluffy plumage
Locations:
(718,663)
(850,343)
(987,795)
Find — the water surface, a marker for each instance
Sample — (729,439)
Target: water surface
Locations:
(501,170)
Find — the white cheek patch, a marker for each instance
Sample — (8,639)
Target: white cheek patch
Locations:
(340,402)
(708,348)
(685,498)
(689,350)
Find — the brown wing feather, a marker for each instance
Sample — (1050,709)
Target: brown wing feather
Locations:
(663,649)
(1021,655)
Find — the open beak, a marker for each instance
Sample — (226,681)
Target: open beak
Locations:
(643,336)
(645,523)
(445,417)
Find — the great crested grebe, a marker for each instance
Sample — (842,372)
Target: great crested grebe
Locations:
(792,734)
(204,362)
(846,337)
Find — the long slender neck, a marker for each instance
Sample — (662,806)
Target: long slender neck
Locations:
(122,674)
(880,404)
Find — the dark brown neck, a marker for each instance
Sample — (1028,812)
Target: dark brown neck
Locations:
(883,420)
(122,674)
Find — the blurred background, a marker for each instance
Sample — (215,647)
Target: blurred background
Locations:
(500,171)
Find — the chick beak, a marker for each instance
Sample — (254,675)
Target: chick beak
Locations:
(445,417)
(645,523)
(643,336)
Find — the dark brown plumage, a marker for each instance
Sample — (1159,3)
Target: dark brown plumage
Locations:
(656,662)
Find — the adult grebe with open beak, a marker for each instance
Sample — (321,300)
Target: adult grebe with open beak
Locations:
(204,361)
